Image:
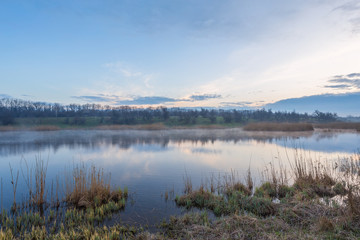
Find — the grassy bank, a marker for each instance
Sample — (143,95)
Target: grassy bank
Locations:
(103,123)
(322,202)
(98,123)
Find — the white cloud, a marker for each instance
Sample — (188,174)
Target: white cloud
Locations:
(128,75)
(294,58)
(120,68)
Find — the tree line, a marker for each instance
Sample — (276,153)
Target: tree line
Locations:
(11,109)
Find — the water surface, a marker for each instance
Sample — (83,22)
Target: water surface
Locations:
(151,163)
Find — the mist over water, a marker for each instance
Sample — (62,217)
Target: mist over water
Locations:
(150,163)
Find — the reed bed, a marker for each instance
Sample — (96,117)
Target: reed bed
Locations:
(154,126)
(88,201)
(90,187)
(284,127)
(313,199)
(29,128)
(45,128)
(339,125)
(322,202)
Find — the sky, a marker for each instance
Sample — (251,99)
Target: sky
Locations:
(178,53)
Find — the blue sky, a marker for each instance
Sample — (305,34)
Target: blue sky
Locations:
(178,52)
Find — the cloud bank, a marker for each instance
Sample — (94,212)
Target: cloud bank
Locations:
(345,82)
(144,100)
(2,95)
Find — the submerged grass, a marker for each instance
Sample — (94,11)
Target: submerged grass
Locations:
(88,200)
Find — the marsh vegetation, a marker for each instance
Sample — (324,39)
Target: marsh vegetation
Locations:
(282,127)
(312,199)
(321,202)
(77,208)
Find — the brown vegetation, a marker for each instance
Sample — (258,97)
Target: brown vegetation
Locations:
(339,125)
(323,202)
(89,187)
(45,128)
(154,126)
(29,128)
(307,209)
(285,127)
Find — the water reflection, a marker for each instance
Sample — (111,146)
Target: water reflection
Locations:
(15,143)
(151,162)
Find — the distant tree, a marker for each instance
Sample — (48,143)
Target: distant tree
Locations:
(7,118)
(212,116)
(78,121)
(165,113)
(227,117)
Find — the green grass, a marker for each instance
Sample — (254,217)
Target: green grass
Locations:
(62,122)
(51,124)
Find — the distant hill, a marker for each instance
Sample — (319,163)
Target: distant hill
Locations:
(342,104)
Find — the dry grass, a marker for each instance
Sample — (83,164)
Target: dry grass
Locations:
(284,127)
(89,187)
(14,183)
(155,126)
(310,172)
(8,128)
(305,209)
(37,173)
(1,194)
(28,128)
(187,184)
(45,128)
(231,182)
(199,226)
(339,125)
(40,181)
(212,126)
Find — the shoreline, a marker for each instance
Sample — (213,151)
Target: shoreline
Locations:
(161,126)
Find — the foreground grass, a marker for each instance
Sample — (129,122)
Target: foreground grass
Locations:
(323,202)
(86,203)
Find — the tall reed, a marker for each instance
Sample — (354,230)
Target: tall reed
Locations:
(87,186)
(1,195)
(187,183)
(40,181)
(28,178)
(14,184)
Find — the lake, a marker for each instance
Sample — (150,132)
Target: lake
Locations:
(153,163)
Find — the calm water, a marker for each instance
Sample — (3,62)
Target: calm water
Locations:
(150,163)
